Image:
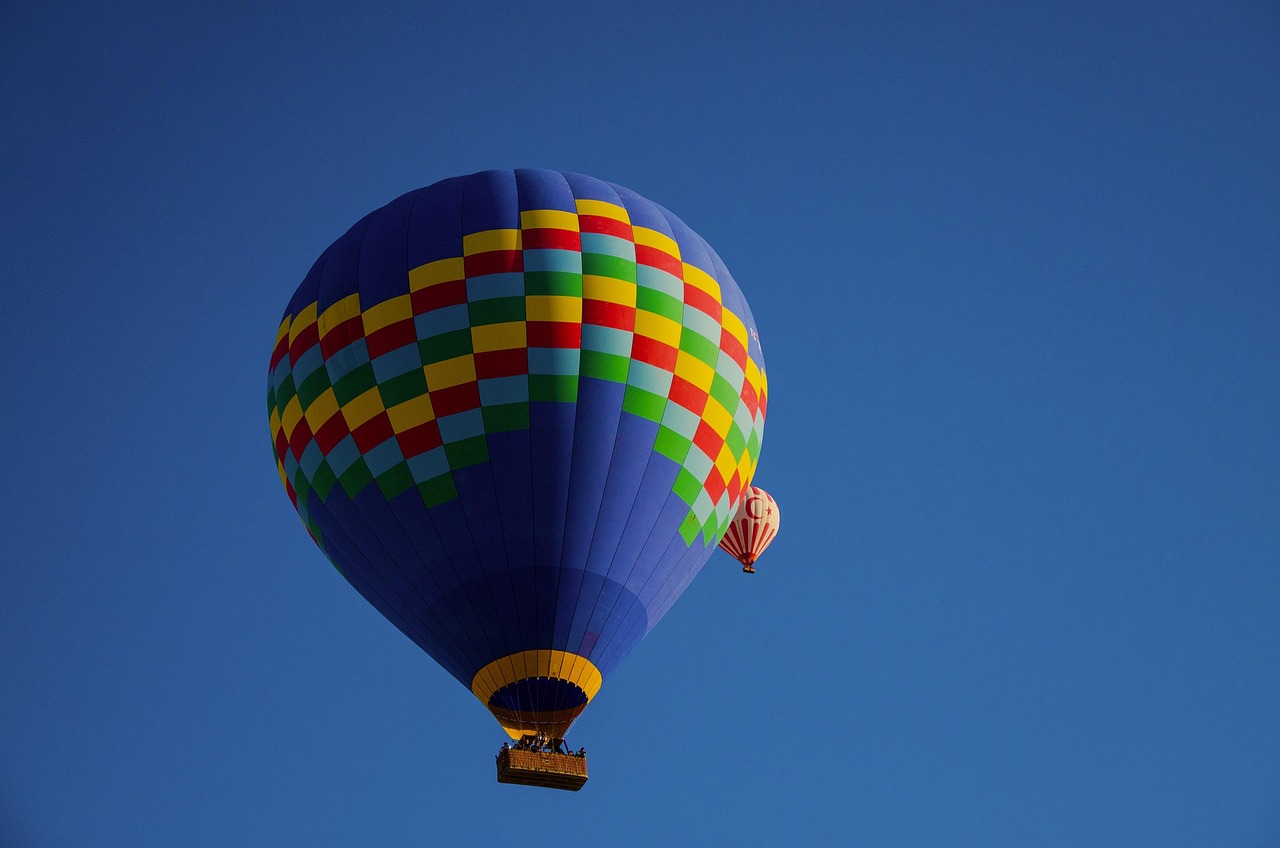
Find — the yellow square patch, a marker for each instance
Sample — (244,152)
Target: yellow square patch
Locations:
(387,313)
(603,209)
(658,327)
(440,271)
(347,308)
(695,276)
(548,219)
(608,289)
(362,408)
(693,369)
(549,307)
(291,416)
(321,410)
(451,372)
(490,240)
(302,321)
(657,240)
(507,336)
(717,417)
(411,413)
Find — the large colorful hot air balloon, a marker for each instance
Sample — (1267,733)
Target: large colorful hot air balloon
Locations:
(753,527)
(517,410)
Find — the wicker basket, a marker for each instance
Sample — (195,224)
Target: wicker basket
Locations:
(542,768)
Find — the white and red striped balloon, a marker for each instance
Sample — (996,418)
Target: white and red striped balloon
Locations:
(753,527)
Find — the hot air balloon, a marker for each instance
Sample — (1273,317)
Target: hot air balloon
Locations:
(753,528)
(517,410)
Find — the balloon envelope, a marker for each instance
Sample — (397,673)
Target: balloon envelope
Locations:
(753,528)
(517,410)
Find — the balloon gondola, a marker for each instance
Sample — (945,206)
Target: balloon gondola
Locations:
(517,410)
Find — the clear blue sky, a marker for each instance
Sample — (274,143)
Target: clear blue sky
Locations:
(1016,269)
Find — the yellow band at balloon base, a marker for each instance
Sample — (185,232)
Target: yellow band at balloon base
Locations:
(562,667)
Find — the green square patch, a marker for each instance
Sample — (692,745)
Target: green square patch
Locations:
(645,404)
(722,391)
(554,387)
(605,366)
(438,490)
(693,342)
(735,440)
(301,486)
(285,393)
(709,534)
(505,417)
(445,346)
(659,303)
(324,480)
(405,387)
(690,528)
(564,283)
(687,486)
(604,265)
(353,384)
(671,444)
(355,478)
(312,387)
(395,481)
(467,452)
(496,310)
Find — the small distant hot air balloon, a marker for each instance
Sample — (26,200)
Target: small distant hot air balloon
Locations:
(752,529)
(516,410)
